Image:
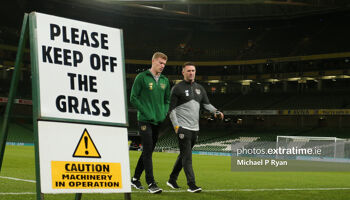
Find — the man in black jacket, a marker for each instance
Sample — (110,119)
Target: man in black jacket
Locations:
(185,101)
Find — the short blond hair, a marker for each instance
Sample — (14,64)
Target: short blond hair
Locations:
(159,55)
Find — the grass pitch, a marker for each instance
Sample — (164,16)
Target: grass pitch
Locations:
(212,174)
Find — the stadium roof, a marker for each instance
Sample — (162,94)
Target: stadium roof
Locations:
(210,11)
(215,10)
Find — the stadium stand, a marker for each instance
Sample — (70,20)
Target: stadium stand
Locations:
(267,101)
(228,40)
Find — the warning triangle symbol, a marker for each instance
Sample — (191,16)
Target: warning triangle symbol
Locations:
(86,147)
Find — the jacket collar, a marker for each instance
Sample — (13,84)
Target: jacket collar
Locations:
(189,83)
(148,72)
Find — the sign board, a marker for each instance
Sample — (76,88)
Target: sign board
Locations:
(80,71)
(78,76)
(76,158)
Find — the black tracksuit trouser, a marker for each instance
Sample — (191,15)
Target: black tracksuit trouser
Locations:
(187,140)
(149,136)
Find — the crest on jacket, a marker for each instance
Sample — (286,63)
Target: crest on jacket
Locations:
(162,85)
(187,92)
(150,85)
(198,91)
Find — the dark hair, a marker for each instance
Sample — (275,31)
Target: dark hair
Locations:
(187,64)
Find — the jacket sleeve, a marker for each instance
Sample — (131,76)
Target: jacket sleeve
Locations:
(172,110)
(135,95)
(167,97)
(205,102)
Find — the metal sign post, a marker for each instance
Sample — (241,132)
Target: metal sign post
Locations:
(13,87)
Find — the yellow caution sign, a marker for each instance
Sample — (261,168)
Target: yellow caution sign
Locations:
(85,175)
(86,147)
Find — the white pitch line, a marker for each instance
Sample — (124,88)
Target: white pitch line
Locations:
(255,190)
(17,179)
(220,190)
(170,191)
(17,193)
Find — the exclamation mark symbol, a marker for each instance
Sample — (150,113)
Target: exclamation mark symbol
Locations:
(86,145)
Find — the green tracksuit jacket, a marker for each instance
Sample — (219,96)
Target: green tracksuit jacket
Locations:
(150,98)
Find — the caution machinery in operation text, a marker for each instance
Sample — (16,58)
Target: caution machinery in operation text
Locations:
(76,158)
(85,175)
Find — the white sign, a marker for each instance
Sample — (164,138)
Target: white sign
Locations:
(76,158)
(80,69)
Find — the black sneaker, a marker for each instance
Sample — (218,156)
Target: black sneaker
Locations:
(193,188)
(136,183)
(172,184)
(154,189)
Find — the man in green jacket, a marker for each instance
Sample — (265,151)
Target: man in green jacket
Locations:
(150,94)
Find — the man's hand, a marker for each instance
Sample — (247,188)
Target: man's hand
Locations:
(219,115)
